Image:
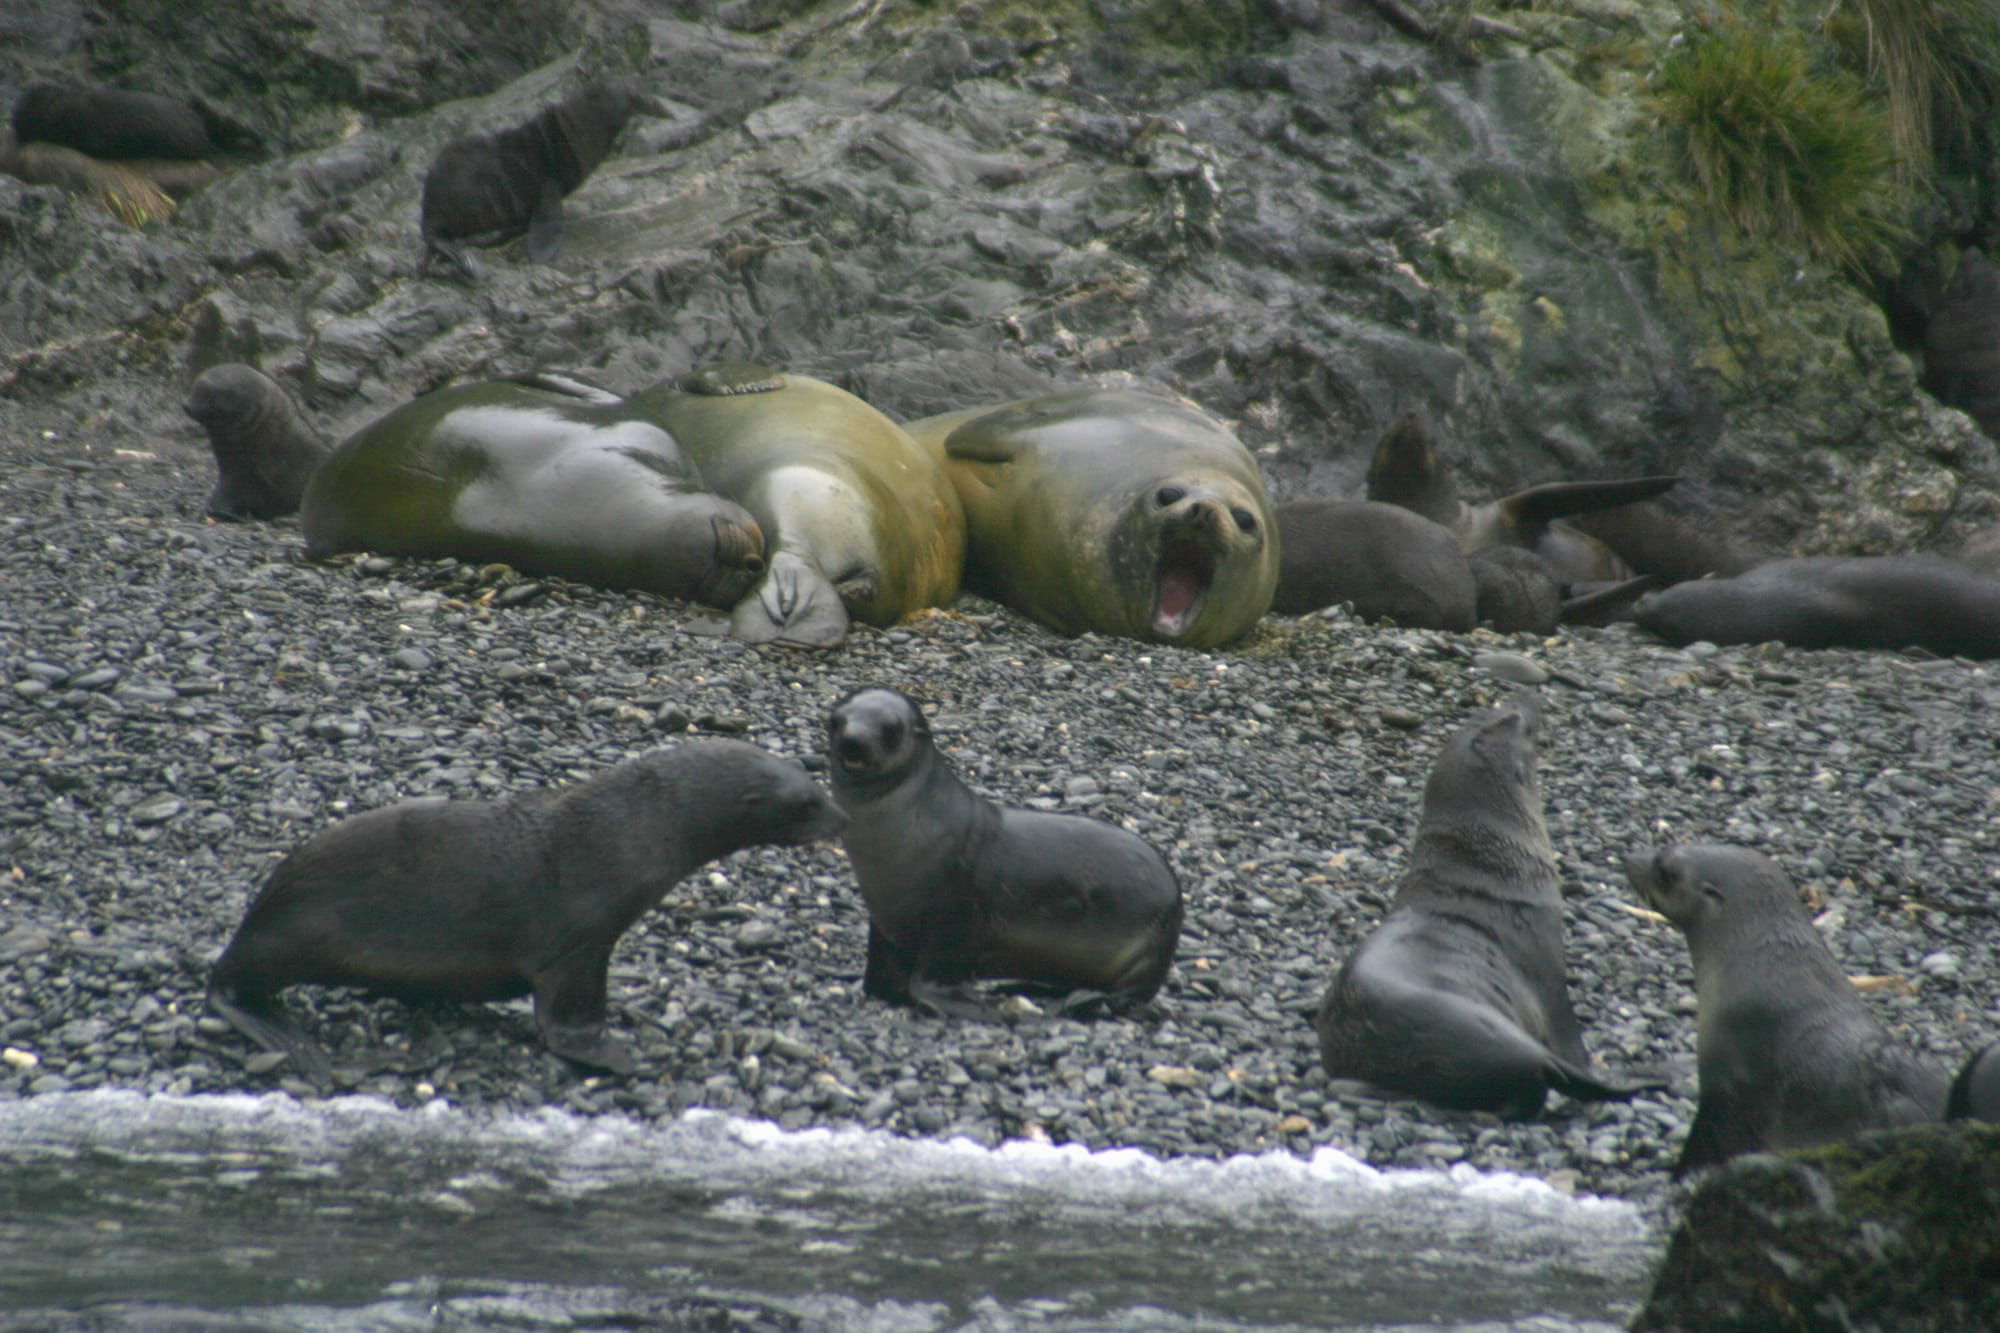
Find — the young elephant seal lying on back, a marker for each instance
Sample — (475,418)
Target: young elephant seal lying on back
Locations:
(1459,996)
(1789,1055)
(488,900)
(959,888)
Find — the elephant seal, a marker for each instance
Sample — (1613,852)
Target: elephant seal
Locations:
(1112,510)
(861,521)
(1386,560)
(959,888)
(1788,1054)
(487,900)
(1459,997)
(110,123)
(545,474)
(1405,470)
(487,188)
(1975,1093)
(1883,601)
(265,452)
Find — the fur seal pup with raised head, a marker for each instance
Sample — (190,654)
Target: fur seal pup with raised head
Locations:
(488,188)
(545,473)
(265,451)
(1405,470)
(1881,601)
(1112,510)
(959,888)
(861,522)
(1975,1093)
(1459,996)
(488,900)
(1788,1054)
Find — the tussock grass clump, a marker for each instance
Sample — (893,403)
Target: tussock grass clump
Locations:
(1780,145)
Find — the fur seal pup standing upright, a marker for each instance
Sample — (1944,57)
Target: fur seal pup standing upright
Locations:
(545,473)
(487,188)
(1459,996)
(487,900)
(861,521)
(1864,601)
(1111,510)
(1788,1054)
(959,888)
(1975,1093)
(265,452)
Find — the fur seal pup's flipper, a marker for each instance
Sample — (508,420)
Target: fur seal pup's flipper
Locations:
(1527,514)
(265,1022)
(1603,603)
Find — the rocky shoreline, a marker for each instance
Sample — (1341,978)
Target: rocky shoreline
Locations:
(182,701)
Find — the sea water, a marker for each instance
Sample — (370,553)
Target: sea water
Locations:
(120,1210)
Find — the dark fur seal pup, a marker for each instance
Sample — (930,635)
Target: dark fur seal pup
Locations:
(1514,591)
(1789,1055)
(488,188)
(1459,996)
(265,452)
(1975,1093)
(487,900)
(959,888)
(1113,511)
(1384,559)
(1882,601)
(109,123)
(1405,470)
(1962,342)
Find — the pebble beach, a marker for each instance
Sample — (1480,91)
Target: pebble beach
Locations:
(181,702)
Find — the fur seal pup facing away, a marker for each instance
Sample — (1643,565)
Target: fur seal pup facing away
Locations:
(1975,1093)
(545,473)
(1880,601)
(1386,560)
(1459,996)
(488,900)
(862,522)
(1111,510)
(959,888)
(1788,1054)
(265,452)
(487,188)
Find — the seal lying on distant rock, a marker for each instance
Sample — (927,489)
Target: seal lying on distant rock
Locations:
(1885,602)
(1459,996)
(545,474)
(860,519)
(110,123)
(265,452)
(487,900)
(1386,560)
(1405,470)
(1789,1055)
(1112,510)
(487,188)
(1975,1093)
(959,888)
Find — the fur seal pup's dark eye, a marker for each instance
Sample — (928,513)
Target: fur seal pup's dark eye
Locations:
(1244,519)
(1168,495)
